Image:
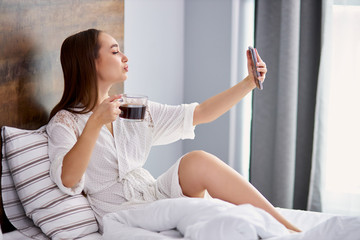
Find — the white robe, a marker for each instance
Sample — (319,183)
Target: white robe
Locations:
(115,174)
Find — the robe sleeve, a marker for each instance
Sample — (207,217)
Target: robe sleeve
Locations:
(172,123)
(63,133)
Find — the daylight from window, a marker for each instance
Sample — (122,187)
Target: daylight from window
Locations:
(342,178)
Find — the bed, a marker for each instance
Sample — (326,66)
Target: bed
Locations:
(39,210)
(32,207)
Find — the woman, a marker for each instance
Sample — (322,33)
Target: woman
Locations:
(92,150)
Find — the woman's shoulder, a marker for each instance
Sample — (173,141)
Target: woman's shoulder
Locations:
(64,118)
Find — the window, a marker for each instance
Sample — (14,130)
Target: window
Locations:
(342,178)
(243,25)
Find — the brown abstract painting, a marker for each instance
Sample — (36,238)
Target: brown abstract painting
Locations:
(31,34)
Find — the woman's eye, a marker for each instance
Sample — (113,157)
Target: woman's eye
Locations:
(115,52)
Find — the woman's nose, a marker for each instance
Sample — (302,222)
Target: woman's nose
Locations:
(124,58)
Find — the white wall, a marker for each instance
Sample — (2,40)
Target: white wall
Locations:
(154,44)
(207,68)
(179,52)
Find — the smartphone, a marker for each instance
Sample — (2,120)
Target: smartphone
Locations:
(258,83)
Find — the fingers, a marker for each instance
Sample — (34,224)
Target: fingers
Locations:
(112,101)
(250,64)
(248,55)
(260,63)
(114,97)
(261,67)
(109,109)
(258,56)
(262,72)
(249,59)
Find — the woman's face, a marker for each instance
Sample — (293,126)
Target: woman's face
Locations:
(111,64)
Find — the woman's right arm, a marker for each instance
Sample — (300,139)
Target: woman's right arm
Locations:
(77,159)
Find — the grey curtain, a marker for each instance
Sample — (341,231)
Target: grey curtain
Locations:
(288,37)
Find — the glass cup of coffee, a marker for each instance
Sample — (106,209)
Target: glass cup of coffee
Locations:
(133,107)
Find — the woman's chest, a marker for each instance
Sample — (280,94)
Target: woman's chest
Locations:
(127,147)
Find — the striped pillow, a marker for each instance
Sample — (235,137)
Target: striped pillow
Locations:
(59,216)
(12,206)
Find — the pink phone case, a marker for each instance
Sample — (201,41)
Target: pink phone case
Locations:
(258,83)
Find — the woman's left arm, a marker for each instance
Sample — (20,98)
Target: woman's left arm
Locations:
(219,104)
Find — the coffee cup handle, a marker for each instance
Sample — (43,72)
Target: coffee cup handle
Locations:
(121,100)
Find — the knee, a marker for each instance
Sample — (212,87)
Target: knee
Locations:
(197,154)
(195,160)
(192,171)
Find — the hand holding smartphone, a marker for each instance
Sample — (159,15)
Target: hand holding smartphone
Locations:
(258,83)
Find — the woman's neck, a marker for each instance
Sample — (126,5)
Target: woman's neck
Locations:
(103,94)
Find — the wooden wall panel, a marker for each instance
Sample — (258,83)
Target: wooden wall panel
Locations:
(31,34)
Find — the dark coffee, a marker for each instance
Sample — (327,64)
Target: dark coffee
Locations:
(132,111)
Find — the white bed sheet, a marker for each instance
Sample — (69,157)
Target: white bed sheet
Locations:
(193,221)
(305,220)
(314,225)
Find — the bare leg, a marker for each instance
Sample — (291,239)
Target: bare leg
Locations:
(199,170)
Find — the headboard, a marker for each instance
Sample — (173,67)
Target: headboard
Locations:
(31,34)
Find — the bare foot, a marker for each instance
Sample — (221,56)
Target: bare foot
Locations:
(292,231)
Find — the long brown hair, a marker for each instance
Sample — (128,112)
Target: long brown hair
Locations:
(78,54)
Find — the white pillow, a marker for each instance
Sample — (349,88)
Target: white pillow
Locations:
(59,216)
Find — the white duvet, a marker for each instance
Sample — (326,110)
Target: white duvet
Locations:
(211,219)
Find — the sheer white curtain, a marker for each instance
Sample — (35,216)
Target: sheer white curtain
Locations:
(335,183)
(242,36)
